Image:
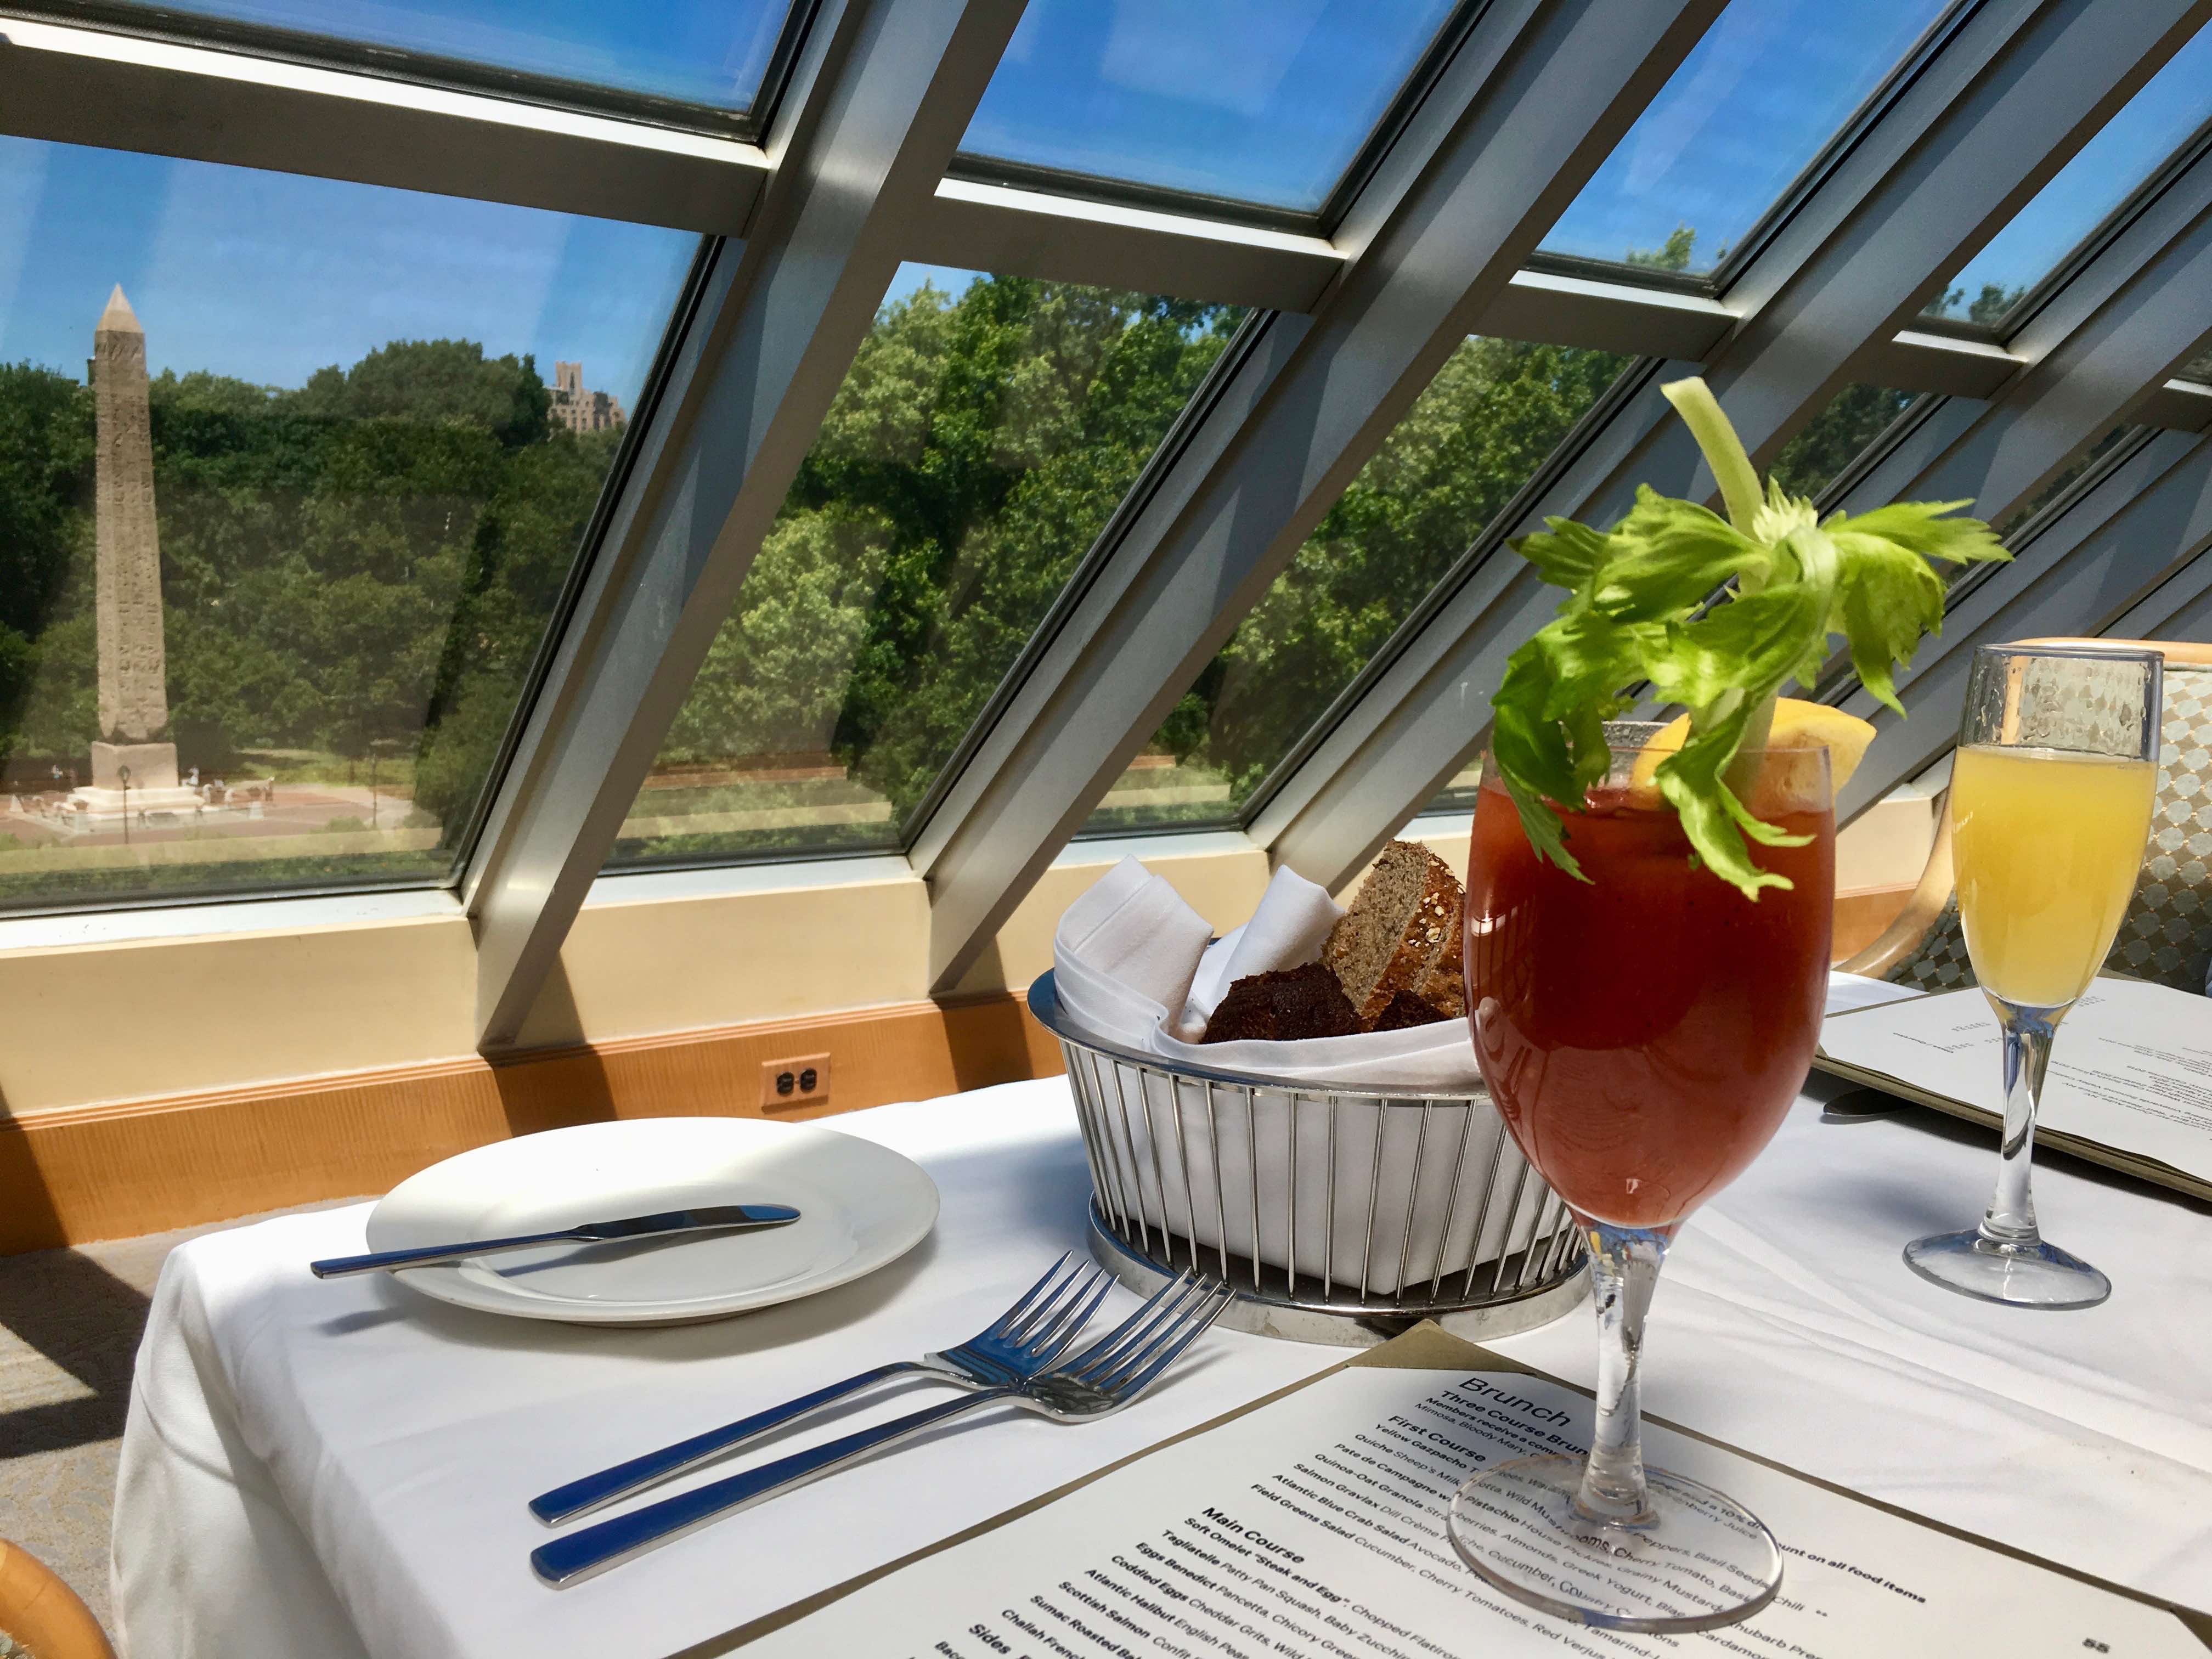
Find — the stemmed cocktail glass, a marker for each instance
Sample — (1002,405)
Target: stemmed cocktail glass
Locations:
(1643,1033)
(2051,789)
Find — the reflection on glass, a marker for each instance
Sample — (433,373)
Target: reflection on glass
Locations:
(986,430)
(286,559)
(1837,436)
(1750,108)
(703,52)
(1266,101)
(1494,412)
(2066,478)
(2150,126)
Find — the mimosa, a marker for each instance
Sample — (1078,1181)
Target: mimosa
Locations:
(2047,844)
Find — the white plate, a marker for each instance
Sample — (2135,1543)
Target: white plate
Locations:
(860,1205)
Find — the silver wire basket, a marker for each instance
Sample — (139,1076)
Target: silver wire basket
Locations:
(1337,1215)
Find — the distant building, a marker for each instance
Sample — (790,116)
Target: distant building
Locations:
(578,409)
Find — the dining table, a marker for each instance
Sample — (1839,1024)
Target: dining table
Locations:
(341,1469)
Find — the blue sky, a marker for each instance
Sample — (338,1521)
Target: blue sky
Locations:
(1753,102)
(705,51)
(1265,101)
(2150,127)
(268,278)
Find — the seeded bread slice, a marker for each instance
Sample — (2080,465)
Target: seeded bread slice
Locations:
(1405,917)
(1444,987)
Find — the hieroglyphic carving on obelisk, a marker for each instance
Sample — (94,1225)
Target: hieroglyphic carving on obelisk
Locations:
(134,696)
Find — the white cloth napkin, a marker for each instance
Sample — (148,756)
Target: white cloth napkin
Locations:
(1125,953)
(1290,926)
(1130,949)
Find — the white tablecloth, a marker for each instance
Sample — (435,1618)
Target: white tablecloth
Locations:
(336,1469)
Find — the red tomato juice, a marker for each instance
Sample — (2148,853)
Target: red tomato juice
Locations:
(1644,1032)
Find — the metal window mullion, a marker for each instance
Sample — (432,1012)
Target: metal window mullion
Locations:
(2144,311)
(1527,110)
(889,89)
(84,87)
(1987,121)
(2092,570)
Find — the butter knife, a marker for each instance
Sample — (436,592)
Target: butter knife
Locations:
(714,1218)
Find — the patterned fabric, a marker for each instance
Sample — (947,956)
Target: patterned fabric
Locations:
(2167,935)
(1940,963)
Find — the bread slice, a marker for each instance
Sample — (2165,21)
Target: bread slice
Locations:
(1443,986)
(1406,1011)
(1404,919)
(1285,1006)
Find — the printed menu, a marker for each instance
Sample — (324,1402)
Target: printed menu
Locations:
(2130,1083)
(1313,1524)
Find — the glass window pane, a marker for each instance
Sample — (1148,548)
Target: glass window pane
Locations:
(288,559)
(2104,173)
(714,53)
(1491,415)
(988,428)
(1266,101)
(1837,436)
(1750,108)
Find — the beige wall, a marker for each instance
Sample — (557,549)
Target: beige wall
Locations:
(121,1017)
(168,1016)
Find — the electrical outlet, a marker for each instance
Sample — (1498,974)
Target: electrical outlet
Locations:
(802,1080)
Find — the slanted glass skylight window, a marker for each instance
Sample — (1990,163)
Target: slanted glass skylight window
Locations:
(292,473)
(712,52)
(1751,106)
(1837,436)
(987,430)
(1493,414)
(1854,418)
(1258,101)
(2104,173)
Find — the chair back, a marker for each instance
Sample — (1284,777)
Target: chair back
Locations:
(43,1615)
(2167,934)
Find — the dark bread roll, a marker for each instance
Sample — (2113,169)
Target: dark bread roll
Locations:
(1405,1011)
(1287,1005)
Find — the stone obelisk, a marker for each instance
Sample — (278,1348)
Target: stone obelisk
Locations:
(134,696)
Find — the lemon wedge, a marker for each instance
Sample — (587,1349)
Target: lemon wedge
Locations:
(1797,725)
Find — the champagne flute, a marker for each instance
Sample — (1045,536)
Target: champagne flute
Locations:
(1644,1034)
(2051,790)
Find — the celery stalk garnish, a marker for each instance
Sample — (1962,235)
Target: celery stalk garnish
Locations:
(1637,614)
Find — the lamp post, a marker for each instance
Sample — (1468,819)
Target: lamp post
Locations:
(123,777)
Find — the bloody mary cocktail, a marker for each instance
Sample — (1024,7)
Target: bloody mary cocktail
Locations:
(1642,1032)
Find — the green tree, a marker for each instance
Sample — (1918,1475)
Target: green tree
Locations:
(976,448)
(1837,436)
(46,478)
(1987,307)
(1492,415)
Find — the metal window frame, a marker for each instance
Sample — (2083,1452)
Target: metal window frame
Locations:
(1983,124)
(1822,290)
(273,43)
(2141,530)
(883,93)
(1442,227)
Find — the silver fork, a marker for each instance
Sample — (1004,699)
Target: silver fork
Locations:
(1019,1344)
(1101,1380)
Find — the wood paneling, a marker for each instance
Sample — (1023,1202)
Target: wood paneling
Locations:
(123,1168)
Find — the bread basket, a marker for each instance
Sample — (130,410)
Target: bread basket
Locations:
(1337,1215)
